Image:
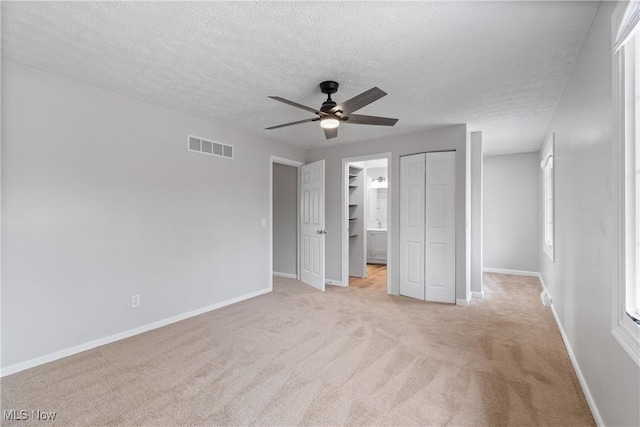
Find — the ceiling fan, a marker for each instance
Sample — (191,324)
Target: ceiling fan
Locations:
(331,114)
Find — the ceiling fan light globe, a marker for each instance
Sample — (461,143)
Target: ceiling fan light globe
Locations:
(329,123)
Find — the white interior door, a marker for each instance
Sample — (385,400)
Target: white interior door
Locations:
(312,224)
(412,226)
(440,273)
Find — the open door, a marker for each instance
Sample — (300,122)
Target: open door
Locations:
(312,224)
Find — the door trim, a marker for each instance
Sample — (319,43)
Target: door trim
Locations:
(297,165)
(345,214)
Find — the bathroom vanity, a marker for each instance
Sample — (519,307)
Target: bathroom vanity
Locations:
(376,246)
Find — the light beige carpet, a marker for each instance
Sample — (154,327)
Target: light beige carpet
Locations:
(344,357)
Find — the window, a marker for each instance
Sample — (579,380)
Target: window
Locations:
(547,177)
(626,63)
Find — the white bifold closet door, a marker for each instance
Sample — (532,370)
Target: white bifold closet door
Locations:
(427,226)
(412,225)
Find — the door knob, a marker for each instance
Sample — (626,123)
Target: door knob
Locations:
(321,232)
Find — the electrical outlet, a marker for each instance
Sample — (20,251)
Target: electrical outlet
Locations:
(135,301)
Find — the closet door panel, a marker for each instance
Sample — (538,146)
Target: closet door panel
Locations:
(412,226)
(440,252)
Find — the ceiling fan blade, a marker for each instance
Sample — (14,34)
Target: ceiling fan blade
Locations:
(359,101)
(358,119)
(330,133)
(315,119)
(295,104)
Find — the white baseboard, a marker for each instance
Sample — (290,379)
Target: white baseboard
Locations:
(464,302)
(12,369)
(285,275)
(576,367)
(545,295)
(334,282)
(514,272)
(544,285)
(479,295)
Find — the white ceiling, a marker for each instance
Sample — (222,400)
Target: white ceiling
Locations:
(501,67)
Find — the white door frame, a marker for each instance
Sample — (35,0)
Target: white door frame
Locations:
(345,215)
(297,165)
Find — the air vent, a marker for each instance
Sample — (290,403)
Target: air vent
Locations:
(194,144)
(211,148)
(207,146)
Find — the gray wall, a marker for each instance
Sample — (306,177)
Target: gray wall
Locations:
(285,218)
(510,212)
(445,138)
(586,229)
(101,200)
(476,211)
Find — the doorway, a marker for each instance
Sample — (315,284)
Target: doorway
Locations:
(366,218)
(285,213)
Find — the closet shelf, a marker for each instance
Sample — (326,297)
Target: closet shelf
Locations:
(355,224)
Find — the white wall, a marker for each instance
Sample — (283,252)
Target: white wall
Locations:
(585,237)
(510,212)
(445,138)
(285,218)
(101,200)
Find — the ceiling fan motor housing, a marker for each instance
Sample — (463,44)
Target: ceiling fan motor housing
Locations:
(328,87)
(328,105)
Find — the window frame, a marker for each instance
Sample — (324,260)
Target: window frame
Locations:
(626,122)
(548,194)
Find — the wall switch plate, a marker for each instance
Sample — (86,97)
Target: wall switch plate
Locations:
(263,222)
(135,301)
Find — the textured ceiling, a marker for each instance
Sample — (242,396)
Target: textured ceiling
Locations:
(501,67)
